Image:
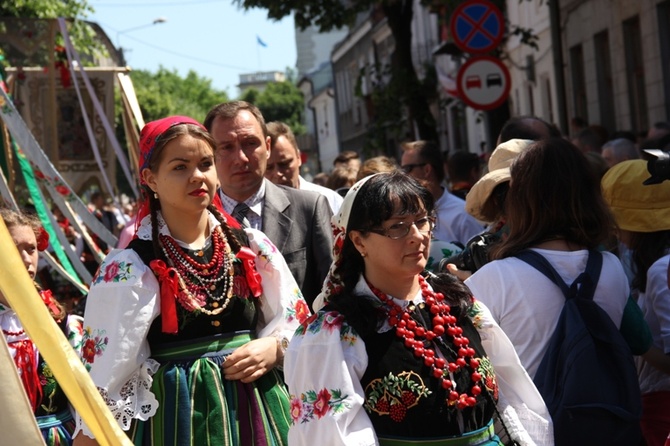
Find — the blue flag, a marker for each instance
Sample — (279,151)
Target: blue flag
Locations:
(260,42)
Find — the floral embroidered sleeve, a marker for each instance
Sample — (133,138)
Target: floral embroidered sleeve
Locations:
(323,367)
(283,308)
(521,405)
(74,331)
(121,305)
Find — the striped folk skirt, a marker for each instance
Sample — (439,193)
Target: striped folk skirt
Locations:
(198,406)
(56,429)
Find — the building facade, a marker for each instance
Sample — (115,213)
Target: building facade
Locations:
(615,57)
(604,61)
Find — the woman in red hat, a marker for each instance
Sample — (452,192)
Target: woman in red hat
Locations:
(185,329)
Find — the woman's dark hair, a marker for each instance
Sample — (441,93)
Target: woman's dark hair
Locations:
(380,198)
(647,247)
(554,193)
(498,198)
(154,204)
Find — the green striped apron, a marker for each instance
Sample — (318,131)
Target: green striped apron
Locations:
(197,406)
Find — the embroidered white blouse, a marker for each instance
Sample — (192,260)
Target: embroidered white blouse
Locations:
(13,331)
(123,301)
(324,366)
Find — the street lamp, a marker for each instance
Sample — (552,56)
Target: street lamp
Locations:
(122,59)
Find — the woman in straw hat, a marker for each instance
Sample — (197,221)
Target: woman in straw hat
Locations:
(403,359)
(642,214)
(486,202)
(185,329)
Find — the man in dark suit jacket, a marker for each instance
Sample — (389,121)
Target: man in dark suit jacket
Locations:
(297,222)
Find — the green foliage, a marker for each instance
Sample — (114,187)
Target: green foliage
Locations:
(45,9)
(166,93)
(250,95)
(326,14)
(280,101)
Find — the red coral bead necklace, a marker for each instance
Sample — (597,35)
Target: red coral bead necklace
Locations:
(415,337)
(199,280)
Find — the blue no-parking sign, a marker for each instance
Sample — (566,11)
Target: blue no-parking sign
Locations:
(477,26)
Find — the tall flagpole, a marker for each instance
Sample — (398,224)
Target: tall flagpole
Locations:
(259,43)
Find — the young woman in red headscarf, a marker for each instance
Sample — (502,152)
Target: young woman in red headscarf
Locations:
(185,329)
(47,399)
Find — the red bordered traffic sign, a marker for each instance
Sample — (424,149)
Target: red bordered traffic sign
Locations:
(477,26)
(483,82)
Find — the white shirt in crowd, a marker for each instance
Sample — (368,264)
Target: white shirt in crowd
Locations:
(526,304)
(453,223)
(334,199)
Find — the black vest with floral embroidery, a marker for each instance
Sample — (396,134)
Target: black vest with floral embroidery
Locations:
(241,314)
(403,399)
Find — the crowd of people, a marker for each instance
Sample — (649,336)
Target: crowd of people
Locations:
(385,302)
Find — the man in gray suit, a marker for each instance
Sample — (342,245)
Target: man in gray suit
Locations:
(297,222)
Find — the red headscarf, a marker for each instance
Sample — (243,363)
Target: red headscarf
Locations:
(149,137)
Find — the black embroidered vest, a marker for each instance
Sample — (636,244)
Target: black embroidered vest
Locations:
(240,314)
(403,399)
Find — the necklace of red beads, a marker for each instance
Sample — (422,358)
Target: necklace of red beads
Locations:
(198,281)
(416,337)
(13,333)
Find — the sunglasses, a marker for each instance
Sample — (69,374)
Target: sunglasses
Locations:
(407,168)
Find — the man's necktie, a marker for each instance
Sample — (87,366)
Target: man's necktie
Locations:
(240,214)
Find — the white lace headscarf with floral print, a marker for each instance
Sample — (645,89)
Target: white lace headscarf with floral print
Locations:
(339,222)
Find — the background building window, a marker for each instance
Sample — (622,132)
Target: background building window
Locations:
(601,42)
(578,82)
(637,97)
(663,13)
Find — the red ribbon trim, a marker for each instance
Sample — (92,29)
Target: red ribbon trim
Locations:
(247,256)
(169,290)
(25,360)
(49,301)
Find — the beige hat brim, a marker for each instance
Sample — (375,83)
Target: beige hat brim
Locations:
(477,201)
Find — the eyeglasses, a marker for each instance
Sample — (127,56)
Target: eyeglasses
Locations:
(407,168)
(401,229)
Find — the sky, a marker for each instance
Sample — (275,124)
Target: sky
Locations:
(214,38)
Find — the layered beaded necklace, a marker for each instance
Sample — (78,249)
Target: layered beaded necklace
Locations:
(417,338)
(198,281)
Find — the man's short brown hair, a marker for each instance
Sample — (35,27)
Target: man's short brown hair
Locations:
(229,110)
(277,129)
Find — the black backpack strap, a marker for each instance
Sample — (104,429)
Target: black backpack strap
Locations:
(584,285)
(588,280)
(537,261)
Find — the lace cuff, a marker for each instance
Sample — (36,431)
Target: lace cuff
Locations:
(526,427)
(134,400)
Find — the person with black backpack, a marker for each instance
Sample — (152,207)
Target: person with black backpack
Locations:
(560,301)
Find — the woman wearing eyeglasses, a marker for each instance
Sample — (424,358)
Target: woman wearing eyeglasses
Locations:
(394,358)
